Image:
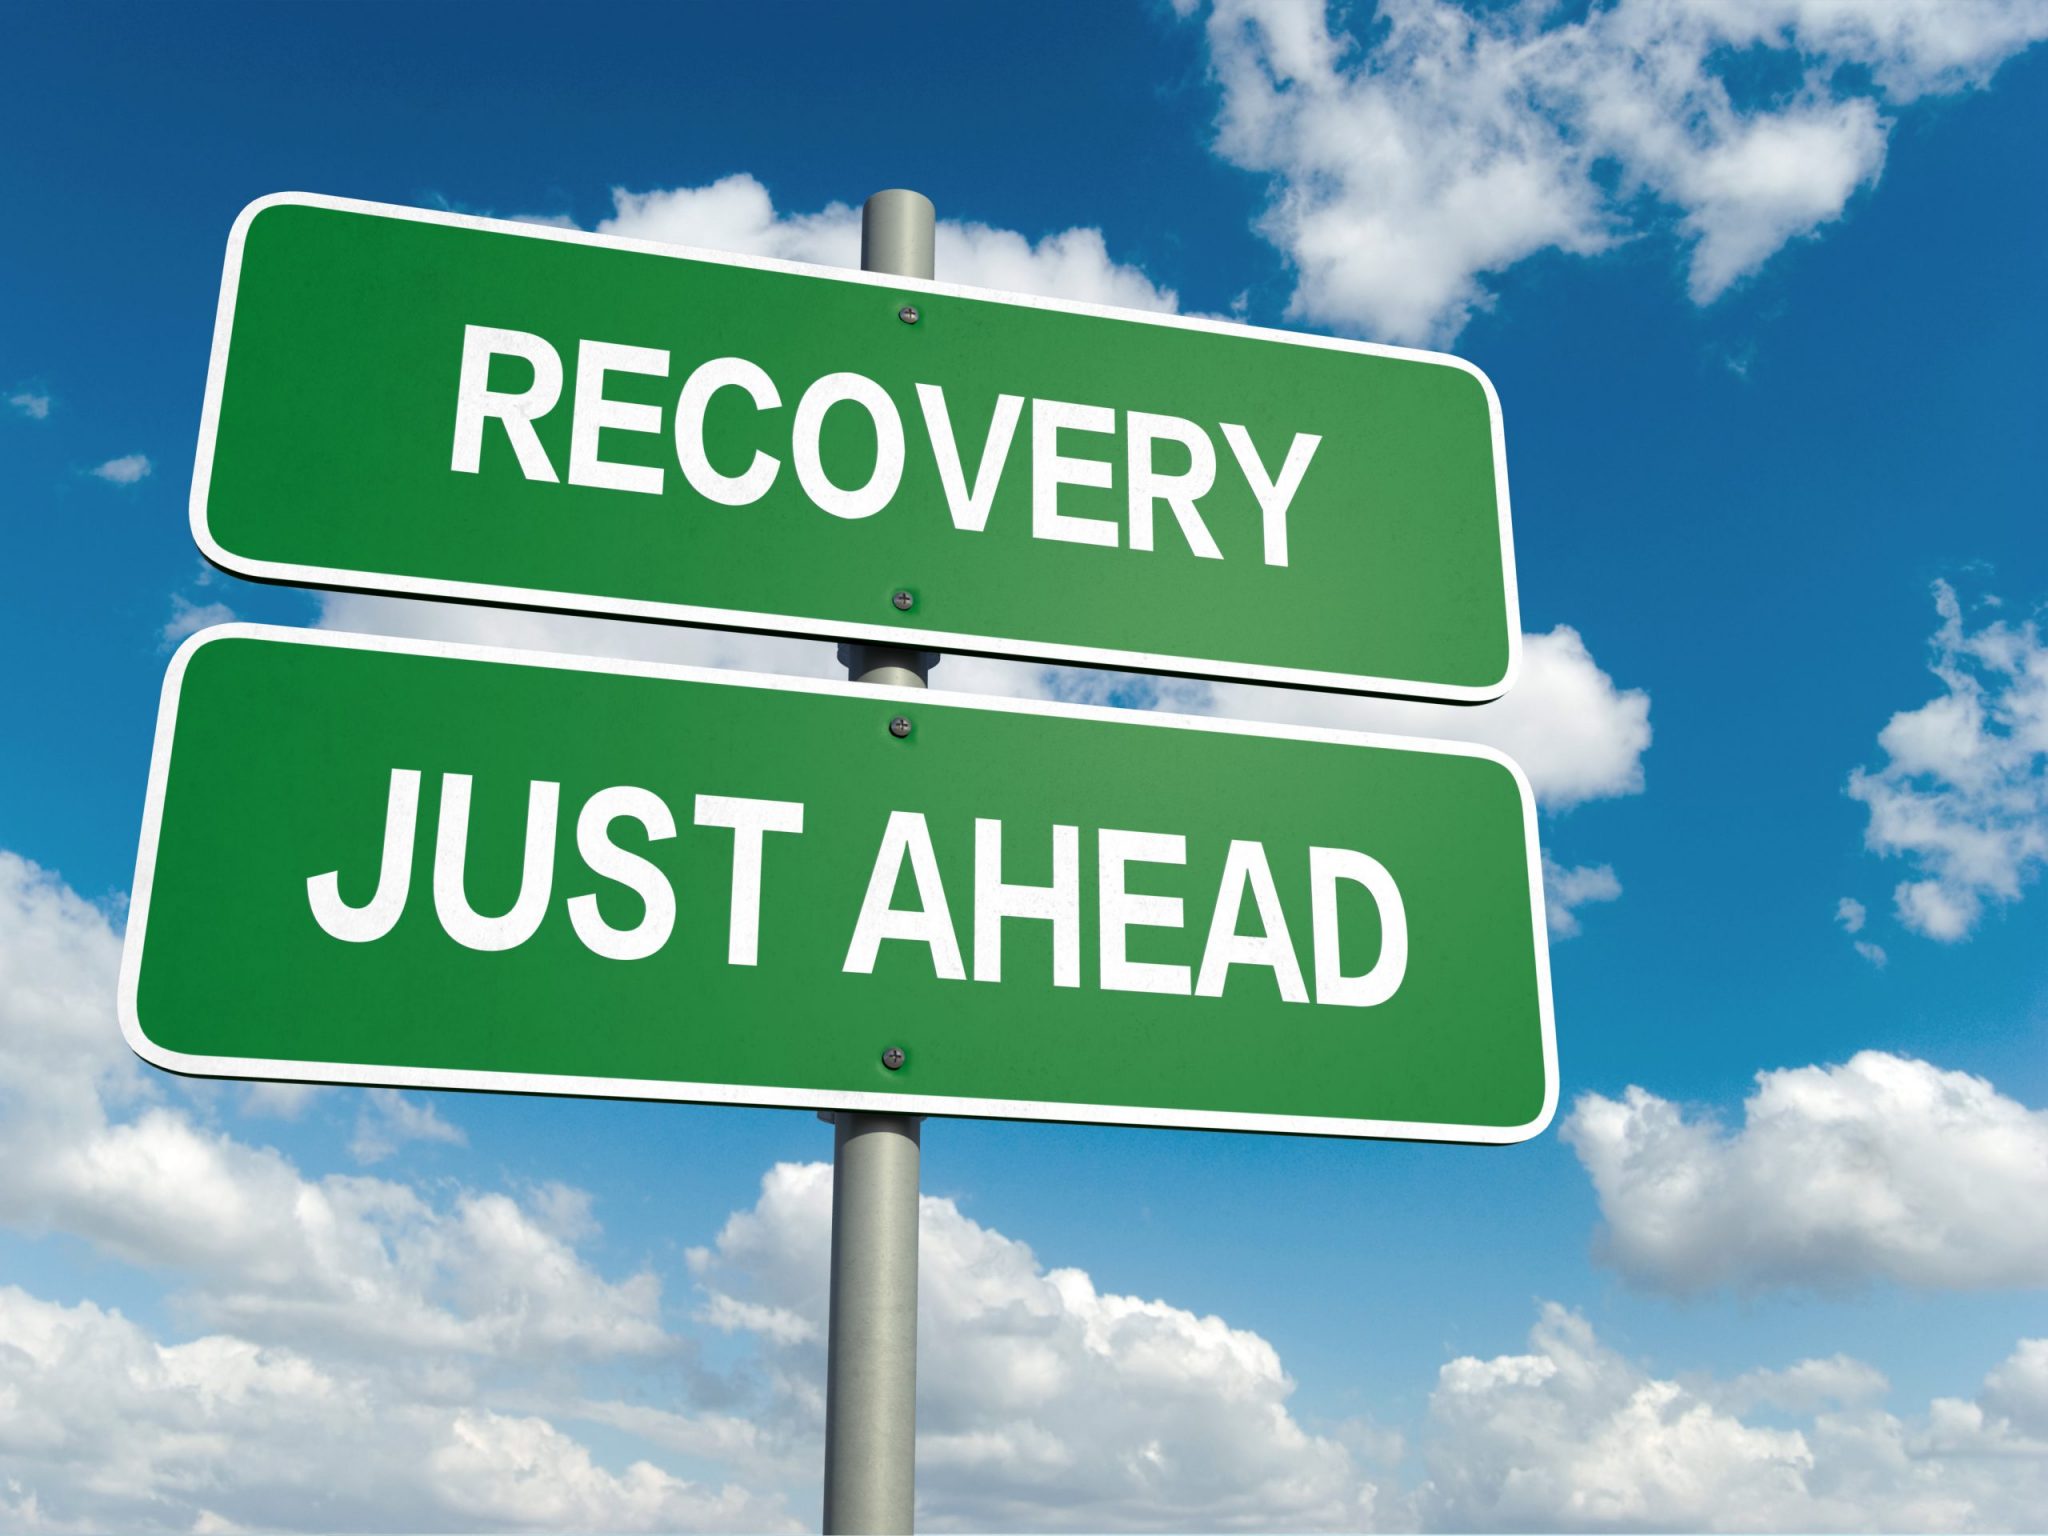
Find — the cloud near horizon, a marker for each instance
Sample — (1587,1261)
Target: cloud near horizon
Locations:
(368,1353)
(1881,1168)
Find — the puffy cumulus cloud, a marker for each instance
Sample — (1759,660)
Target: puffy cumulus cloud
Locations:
(2018,1390)
(1043,1402)
(1571,1434)
(736,213)
(1882,1167)
(32,403)
(126,470)
(1574,1436)
(91,1148)
(103,1427)
(379,1359)
(1963,793)
(1445,144)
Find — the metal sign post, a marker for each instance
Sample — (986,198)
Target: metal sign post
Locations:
(871,1344)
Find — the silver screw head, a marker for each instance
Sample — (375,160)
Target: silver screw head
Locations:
(902,600)
(900,726)
(907,314)
(892,1058)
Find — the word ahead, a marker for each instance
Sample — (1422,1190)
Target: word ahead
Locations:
(368,860)
(426,403)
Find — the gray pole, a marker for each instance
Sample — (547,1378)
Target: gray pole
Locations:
(871,1351)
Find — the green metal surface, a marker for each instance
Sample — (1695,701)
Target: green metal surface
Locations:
(327,460)
(277,751)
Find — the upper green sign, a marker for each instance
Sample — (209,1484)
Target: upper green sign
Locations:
(418,402)
(368,860)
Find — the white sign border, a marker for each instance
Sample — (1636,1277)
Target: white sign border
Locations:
(829,629)
(798,1098)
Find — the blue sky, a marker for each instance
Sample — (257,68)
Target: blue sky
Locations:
(1759,287)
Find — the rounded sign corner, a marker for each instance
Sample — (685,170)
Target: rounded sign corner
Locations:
(1511,673)
(1529,1130)
(215,553)
(148,1050)
(260,205)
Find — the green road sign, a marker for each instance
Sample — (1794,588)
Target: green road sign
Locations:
(415,402)
(375,861)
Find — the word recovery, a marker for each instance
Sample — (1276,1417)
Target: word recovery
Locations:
(906,841)
(969,501)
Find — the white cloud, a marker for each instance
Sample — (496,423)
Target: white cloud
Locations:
(389,1119)
(1410,162)
(1882,1167)
(1044,1403)
(34,404)
(1874,953)
(1566,890)
(1573,1436)
(188,617)
(102,1427)
(1963,794)
(126,470)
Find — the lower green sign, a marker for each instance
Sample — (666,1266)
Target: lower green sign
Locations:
(376,861)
